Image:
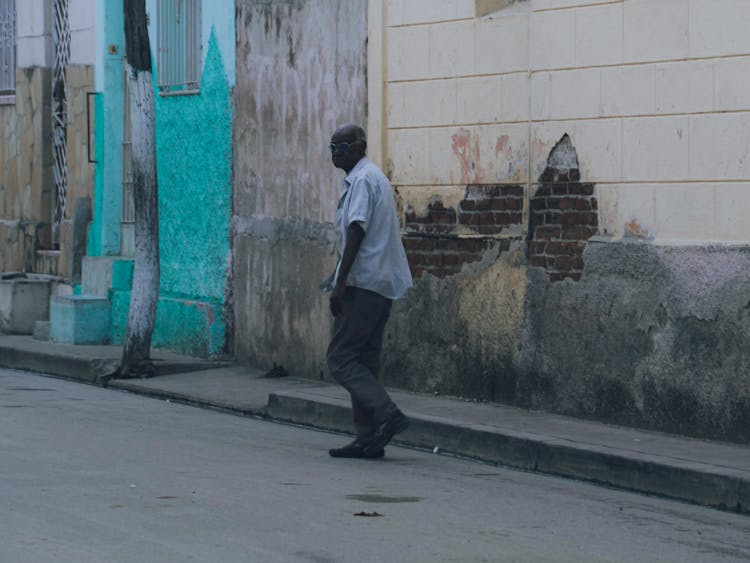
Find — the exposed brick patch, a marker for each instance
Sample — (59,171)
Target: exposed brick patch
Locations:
(438,219)
(444,256)
(562,216)
(436,242)
(485,209)
(489,210)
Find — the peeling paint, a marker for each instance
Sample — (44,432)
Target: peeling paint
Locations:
(563,156)
(503,146)
(634,229)
(466,147)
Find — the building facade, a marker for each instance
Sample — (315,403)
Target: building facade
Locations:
(66,192)
(193,45)
(572,177)
(47,70)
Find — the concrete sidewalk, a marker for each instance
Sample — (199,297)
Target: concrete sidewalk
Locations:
(704,472)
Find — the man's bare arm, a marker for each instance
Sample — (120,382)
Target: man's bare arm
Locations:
(354,235)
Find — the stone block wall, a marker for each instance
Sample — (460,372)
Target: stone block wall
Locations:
(643,89)
(26,182)
(25,170)
(79,81)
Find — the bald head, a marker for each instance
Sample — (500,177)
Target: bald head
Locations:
(351,131)
(348,146)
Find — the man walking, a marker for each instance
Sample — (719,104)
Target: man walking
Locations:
(372,271)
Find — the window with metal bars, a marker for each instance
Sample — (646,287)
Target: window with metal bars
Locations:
(179,45)
(7,47)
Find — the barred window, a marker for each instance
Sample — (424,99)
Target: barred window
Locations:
(7,47)
(179,45)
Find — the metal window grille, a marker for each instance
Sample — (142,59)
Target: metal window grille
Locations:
(179,45)
(7,46)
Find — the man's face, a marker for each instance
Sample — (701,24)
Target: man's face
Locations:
(346,150)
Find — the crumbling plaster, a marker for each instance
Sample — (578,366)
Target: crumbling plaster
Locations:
(652,336)
(459,335)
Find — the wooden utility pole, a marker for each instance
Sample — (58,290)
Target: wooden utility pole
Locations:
(136,354)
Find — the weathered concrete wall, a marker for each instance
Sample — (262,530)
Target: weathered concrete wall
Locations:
(572,177)
(300,73)
(459,335)
(650,336)
(280,314)
(25,170)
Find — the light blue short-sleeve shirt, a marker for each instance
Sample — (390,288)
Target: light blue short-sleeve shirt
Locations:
(381,264)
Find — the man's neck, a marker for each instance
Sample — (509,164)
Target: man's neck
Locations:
(355,165)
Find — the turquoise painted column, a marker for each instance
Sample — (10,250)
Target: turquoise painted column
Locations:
(104,234)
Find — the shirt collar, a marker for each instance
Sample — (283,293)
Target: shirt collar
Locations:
(354,171)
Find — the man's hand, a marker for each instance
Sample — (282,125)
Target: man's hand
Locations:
(337,299)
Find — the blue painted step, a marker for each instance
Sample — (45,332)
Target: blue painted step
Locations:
(79,319)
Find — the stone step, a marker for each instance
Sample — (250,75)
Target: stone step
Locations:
(102,273)
(79,319)
(24,299)
(41,330)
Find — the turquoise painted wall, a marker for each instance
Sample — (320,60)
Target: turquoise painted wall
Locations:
(104,232)
(94,247)
(194,148)
(194,167)
(194,152)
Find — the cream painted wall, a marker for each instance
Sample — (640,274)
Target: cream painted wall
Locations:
(652,92)
(34,34)
(82,19)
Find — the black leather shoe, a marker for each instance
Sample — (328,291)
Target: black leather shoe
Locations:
(357,450)
(394,424)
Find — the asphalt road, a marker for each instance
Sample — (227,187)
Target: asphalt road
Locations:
(90,474)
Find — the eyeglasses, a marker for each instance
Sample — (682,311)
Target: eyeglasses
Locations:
(343,147)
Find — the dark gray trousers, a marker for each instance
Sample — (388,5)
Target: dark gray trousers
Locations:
(354,357)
